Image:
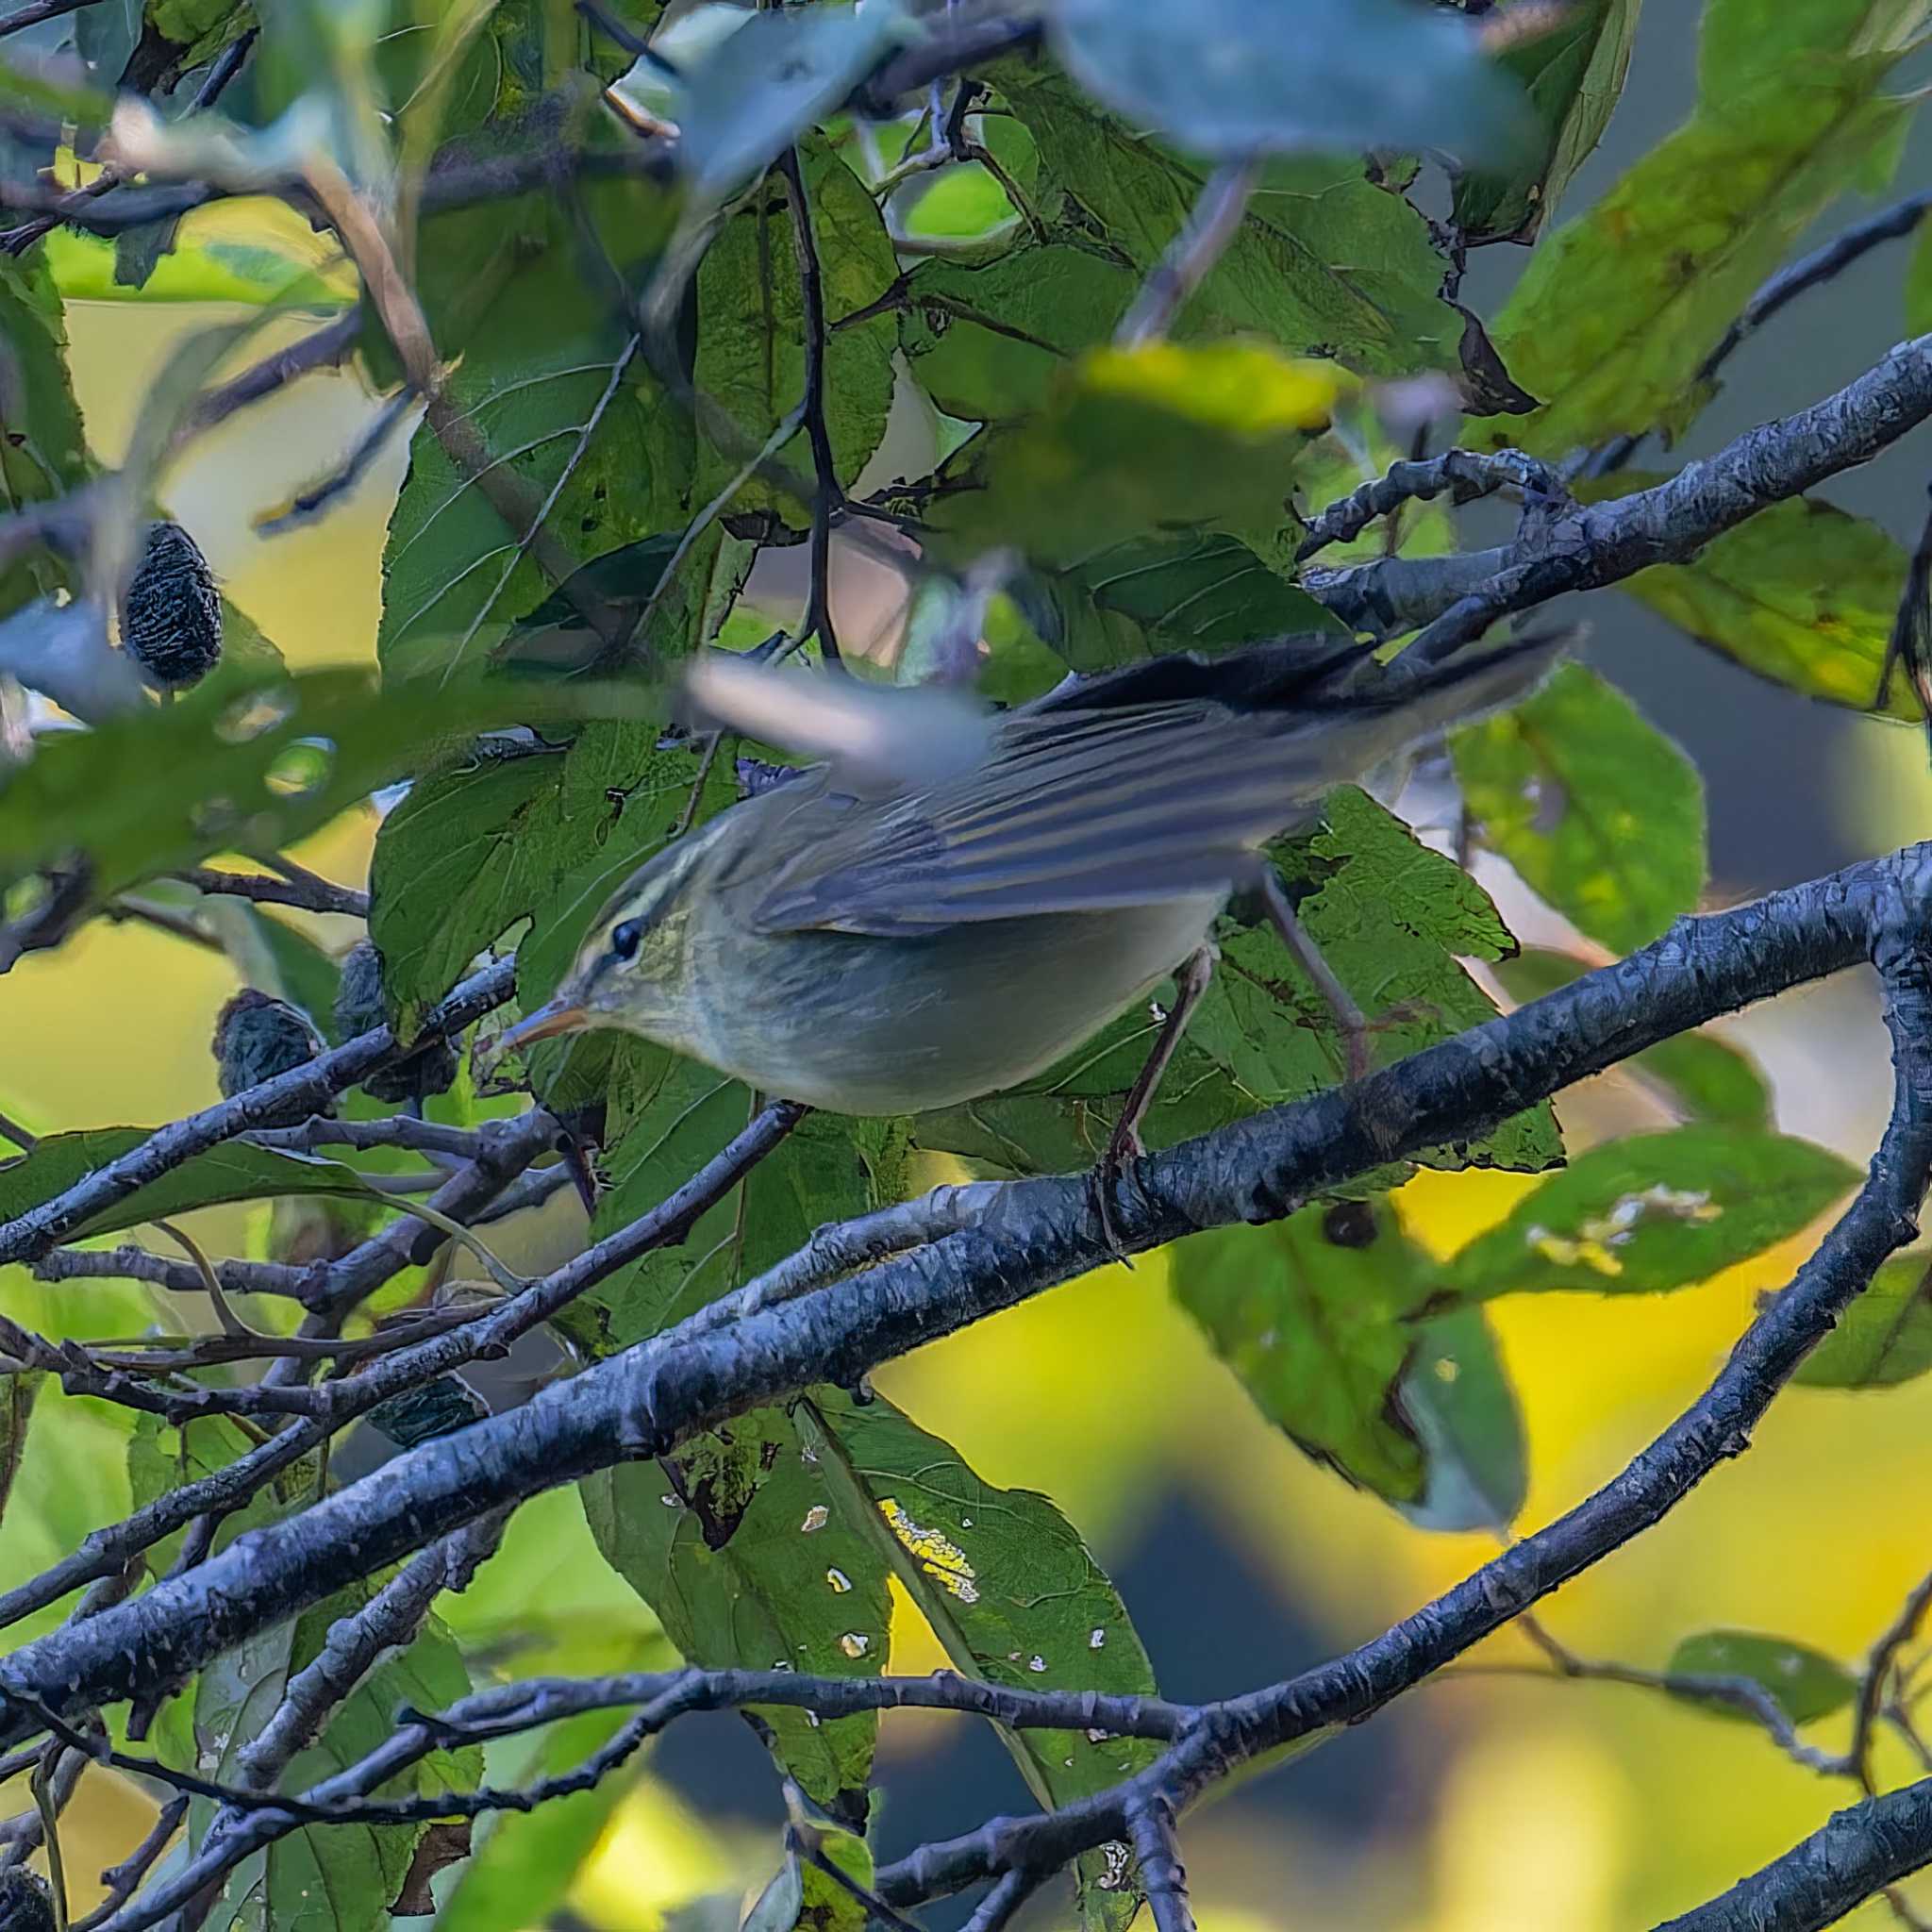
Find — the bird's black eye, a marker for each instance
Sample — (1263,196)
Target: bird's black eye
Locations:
(625,936)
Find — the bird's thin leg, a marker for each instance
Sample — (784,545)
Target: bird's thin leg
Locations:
(1124,1145)
(1348,1016)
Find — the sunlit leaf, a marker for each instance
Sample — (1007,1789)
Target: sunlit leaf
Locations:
(1136,441)
(1617,310)
(1800,593)
(1599,811)
(1654,1211)
(1803,1683)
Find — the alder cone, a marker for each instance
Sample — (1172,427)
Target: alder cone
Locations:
(171,617)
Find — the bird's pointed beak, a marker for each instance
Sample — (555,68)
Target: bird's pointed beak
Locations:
(560,1015)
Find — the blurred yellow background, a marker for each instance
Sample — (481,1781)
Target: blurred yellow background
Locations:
(1485,1803)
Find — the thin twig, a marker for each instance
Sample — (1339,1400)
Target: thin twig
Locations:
(1203,237)
(827,494)
(307,894)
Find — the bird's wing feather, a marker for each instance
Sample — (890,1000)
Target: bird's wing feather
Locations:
(1120,805)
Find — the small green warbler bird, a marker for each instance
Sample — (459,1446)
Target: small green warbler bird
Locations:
(960,897)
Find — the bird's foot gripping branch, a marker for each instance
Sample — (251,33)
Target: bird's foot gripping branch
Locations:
(778,1348)
(1170,341)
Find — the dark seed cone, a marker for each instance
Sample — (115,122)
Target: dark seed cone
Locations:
(171,618)
(25,1903)
(437,1409)
(256,1038)
(430,1069)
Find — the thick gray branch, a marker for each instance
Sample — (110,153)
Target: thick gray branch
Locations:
(638,1405)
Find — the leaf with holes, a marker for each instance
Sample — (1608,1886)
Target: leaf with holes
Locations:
(1007,1587)
(356,1869)
(1654,1211)
(1884,1338)
(1599,811)
(737,1546)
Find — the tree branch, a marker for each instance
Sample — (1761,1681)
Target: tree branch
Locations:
(638,1405)
(1453,599)
(1855,1853)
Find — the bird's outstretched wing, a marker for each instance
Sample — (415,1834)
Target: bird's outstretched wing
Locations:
(1085,804)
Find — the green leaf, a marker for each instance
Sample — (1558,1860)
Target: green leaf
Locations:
(524,1863)
(736,1545)
(1006,1585)
(1652,1212)
(1150,595)
(1573,73)
(1615,312)
(987,343)
(1392,918)
(235,1171)
(1883,1338)
(1601,814)
(254,756)
(1222,77)
(342,1878)
(730,1543)
(805,1896)
(1134,442)
(558,409)
(1803,1683)
(1702,1077)
(43,452)
(471,853)
(1801,593)
(1321,1318)
(672,1117)
(751,341)
(767,83)
(71,1477)
(1324,260)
